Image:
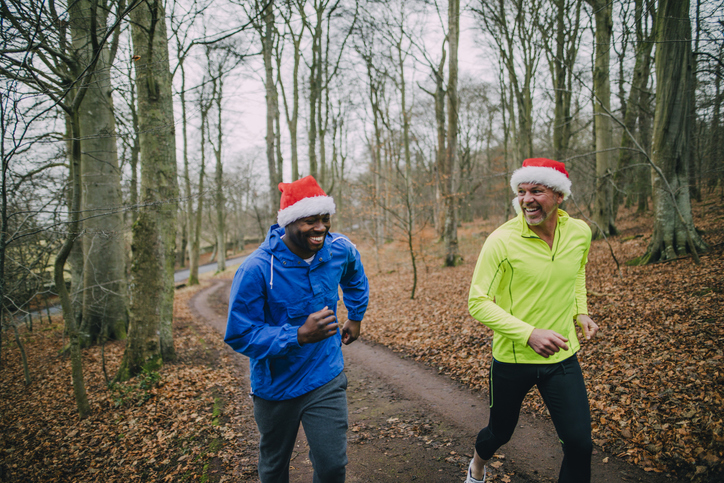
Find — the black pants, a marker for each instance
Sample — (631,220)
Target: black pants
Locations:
(564,393)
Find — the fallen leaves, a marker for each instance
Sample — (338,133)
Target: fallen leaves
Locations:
(170,429)
(654,373)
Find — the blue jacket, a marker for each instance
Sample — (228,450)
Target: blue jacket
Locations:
(273,293)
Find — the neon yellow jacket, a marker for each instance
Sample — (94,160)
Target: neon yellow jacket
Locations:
(520,283)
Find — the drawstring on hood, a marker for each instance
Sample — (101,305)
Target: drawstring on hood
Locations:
(271,275)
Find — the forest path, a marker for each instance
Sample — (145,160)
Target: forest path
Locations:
(410,423)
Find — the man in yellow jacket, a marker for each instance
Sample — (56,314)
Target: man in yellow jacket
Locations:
(529,287)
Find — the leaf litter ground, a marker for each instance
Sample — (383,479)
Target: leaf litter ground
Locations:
(654,373)
(171,426)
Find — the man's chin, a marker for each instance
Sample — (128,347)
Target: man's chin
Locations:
(535,221)
(313,247)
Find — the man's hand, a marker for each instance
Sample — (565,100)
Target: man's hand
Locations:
(318,326)
(588,326)
(547,342)
(351,331)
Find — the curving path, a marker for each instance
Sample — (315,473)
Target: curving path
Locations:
(384,384)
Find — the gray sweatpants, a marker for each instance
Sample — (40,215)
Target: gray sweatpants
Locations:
(323,413)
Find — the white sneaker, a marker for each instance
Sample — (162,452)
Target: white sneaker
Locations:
(470,478)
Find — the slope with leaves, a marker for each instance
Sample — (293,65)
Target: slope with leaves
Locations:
(187,421)
(654,374)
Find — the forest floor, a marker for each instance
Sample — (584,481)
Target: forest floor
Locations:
(654,375)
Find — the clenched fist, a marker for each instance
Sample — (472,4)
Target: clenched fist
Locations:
(318,326)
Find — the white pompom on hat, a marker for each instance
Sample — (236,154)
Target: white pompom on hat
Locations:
(543,171)
(301,198)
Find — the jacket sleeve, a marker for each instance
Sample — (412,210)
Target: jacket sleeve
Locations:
(581,293)
(489,271)
(248,330)
(355,286)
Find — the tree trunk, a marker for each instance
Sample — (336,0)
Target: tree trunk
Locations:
(322,121)
(219,195)
(513,28)
(375,86)
(603,215)
(189,211)
(506,103)
(674,233)
(695,137)
(196,235)
(197,218)
(315,87)
(627,176)
(450,227)
(23,356)
(5,104)
(104,278)
(272,105)
(135,155)
(567,42)
(441,152)
(715,159)
(293,117)
(154,233)
(75,257)
(643,178)
(71,326)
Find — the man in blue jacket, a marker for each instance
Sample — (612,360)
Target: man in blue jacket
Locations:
(282,315)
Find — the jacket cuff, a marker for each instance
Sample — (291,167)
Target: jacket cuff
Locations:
(354,315)
(292,333)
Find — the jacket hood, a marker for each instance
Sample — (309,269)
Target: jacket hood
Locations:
(273,239)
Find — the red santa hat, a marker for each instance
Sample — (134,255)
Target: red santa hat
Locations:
(301,198)
(543,171)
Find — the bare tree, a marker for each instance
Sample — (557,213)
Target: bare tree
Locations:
(204,106)
(225,59)
(324,64)
(58,55)
(715,157)
(263,15)
(287,12)
(376,78)
(25,249)
(450,230)
(128,121)
(629,176)
(150,336)
(674,233)
(66,57)
(104,278)
(396,33)
(512,28)
(181,23)
(603,214)
(561,34)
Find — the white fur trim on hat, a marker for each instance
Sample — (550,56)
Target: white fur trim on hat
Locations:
(549,177)
(516,206)
(312,206)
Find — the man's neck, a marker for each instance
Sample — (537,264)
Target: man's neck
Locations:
(295,249)
(546,230)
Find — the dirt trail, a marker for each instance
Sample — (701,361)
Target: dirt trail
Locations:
(408,423)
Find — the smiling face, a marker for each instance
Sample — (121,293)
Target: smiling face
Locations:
(539,203)
(305,237)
